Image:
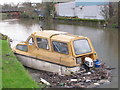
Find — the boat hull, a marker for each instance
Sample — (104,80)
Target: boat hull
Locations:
(46,66)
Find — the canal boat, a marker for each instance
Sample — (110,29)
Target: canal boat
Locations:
(56,51)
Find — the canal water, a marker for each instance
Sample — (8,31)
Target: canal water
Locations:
(104,40)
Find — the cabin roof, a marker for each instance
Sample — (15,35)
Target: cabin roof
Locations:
(63,37)
(48,33)
(55,35)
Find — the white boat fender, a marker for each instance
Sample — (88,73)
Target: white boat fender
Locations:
(44,81)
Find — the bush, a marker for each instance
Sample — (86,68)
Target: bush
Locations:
(24,15)
(114,25)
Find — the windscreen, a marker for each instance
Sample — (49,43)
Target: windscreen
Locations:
(81,46)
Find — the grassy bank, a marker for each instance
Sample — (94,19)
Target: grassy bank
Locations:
(13,73)
(78,19)
(0,66)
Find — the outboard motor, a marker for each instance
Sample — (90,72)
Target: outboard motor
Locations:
(88,63)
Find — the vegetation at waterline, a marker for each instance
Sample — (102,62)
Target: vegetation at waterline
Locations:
(4,16)
(13,73)
(78,19)
(0,67)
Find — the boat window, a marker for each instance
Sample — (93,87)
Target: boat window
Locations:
(81,46)
(60,47)
(31,41)
(42,43)
(22,47)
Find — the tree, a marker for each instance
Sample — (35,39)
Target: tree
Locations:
(28,10)
(113,12)
(119,13)
(105,11)
(49,9)
(110,13)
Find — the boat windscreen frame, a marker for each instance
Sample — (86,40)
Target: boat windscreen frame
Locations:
(89,42)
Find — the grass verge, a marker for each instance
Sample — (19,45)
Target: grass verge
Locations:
(78,19)
(13,73)
(0,65)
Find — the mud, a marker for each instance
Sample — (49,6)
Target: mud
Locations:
(81,79)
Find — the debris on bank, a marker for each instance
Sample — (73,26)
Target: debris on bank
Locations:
(3,37)
(81,79)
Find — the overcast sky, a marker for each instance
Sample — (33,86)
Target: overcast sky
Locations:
(17,1)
